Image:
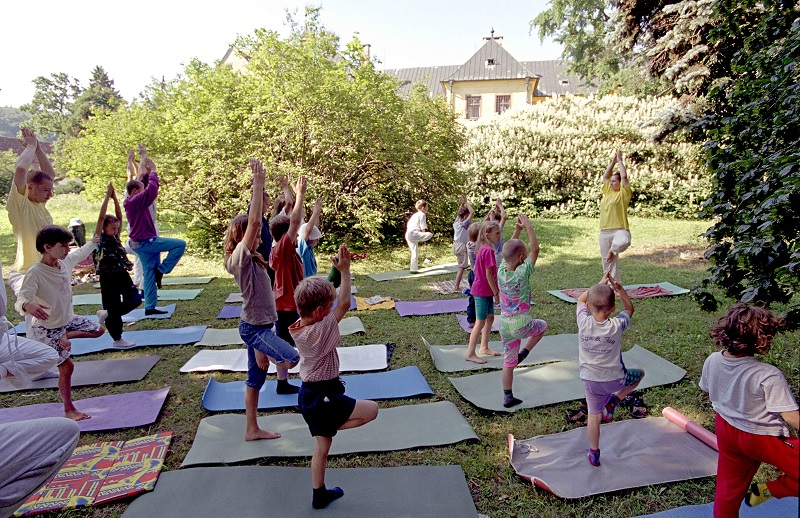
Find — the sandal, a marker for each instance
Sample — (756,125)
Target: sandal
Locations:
(631,398)
(575,417)
(638,409)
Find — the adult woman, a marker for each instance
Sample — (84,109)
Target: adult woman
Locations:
(417,232)
(615,235)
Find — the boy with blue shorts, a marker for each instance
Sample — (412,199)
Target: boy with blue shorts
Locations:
(605,378)
(514,281)
(325,407)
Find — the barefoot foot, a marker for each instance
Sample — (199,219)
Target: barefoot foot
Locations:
(76,415)
(260,434)
(475,359)
(489,352)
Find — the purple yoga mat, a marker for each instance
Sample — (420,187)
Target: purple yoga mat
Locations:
(431,307)
(108,412)
(462,321)
(353,306)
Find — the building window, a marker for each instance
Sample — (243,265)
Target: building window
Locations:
(490,62)
(564,82)
(502,103)
(473,107)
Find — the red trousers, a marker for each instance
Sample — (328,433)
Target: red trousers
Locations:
(740,455)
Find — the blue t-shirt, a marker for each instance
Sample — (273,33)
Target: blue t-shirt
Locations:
(306,253)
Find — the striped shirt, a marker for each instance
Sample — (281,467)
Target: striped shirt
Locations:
(317,344)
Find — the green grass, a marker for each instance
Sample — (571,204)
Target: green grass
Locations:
(672,327)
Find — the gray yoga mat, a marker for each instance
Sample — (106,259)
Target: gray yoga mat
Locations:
(556,382)
(774,507)
(220,438)
(405,274)
(245,491)
(220,338)
(149,338)
(551,348)
(94,373)
(96,298)
(633,453)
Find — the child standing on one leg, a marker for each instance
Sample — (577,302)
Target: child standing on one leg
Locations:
(485,291)
(119,294)
(498,214)
(473,231)
(54,322)
(321,400)
(514,281)
(460,239)
(603,373)
(249,268)
(750,398)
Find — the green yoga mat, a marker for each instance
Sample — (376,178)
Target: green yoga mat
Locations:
(450,358)
(220,438)
(557,382)
(405,274)
(96,298)
(244,491)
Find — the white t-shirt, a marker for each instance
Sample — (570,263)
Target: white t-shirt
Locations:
(418,221)
(748,394)
(600,345)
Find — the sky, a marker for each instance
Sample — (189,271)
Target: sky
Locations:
(138,41)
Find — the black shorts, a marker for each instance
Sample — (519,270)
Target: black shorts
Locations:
(324,406)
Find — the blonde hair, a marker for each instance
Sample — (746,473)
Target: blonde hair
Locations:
(601,298)
(420,204)
(311,293)
(485,226)
(235,234)
(473,231)
(512,248)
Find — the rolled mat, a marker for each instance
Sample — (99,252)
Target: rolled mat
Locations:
(394,384)
(220,438)
(418,491)
(431,307)
(405,274)
(107,412)
(150,338)
(634,453)
(691,427)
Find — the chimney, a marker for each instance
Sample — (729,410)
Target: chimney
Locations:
(365,51)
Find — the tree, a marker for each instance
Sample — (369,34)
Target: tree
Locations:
(100,95)
(10,120)
(52,104)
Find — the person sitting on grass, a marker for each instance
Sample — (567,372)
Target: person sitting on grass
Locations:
(753,402)
(118,292)
(605,378)
(46,294)
(514,281)
(460,239)
(325,407)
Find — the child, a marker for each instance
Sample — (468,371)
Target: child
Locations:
(119,294)
(46,294)
(485,291)
(460,238)
(243,261)
(604,376)
(321,400)
(307,238)
(417,232)
(288,270)
(472,232)
(514,281)
(498,214)
(750,398)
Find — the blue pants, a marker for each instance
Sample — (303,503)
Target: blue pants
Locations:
(471,302)
(149,253)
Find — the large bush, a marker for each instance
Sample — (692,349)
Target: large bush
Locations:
(548,158)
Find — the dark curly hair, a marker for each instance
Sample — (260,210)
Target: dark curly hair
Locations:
(746,330)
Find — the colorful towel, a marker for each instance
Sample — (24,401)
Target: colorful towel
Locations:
(363,306)
(100,473)
(448,287)
(635,291)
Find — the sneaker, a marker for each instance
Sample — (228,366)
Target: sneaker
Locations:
(102,315)
(122,343)
(608,410)
(757,494)
(159,276)
(593,456)
(155,311)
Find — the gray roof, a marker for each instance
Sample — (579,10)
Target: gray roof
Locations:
(432,77)
(553,75)
(491,61)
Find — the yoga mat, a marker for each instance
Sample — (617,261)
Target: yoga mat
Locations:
(356,358)
(108,412)
(220,438)
(234,298)
(149,338)
(94,373)
(177,281)
(551,348)
(361,305)
(690,426)
(96,298)
(772,508)
(448,287)
(431,307)
(353,305)
(630,288)
(400,383)
(557,382)
(230,312)
(462,321)
(405,274)
(350,326)
(100,473)
(220,337)
(133,316)
(633,453)
(417,491)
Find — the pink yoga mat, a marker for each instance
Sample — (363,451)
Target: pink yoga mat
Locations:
(108,412)
(431,307)
(691,427)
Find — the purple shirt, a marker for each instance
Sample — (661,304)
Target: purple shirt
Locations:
(137,210)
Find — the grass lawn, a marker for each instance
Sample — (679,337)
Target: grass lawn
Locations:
(672,327)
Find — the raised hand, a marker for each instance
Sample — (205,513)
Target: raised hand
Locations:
(462,200)
(257,167)
(110,190)
(520,224)
(131,156)
(301,185)
(317,205)
(342,260)
(149,165)
(142,151)
(28,138)
(605,278)
(283,183)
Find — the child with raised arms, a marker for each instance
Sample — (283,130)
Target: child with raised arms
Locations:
(484,291)
(322,401)
(461,238)
(243,261)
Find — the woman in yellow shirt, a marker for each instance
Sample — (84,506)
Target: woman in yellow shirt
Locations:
(615,235)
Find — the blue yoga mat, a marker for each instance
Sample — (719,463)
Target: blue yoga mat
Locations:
(400,383)
(771,508)
(133,316)
(150,338)
(236,311)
